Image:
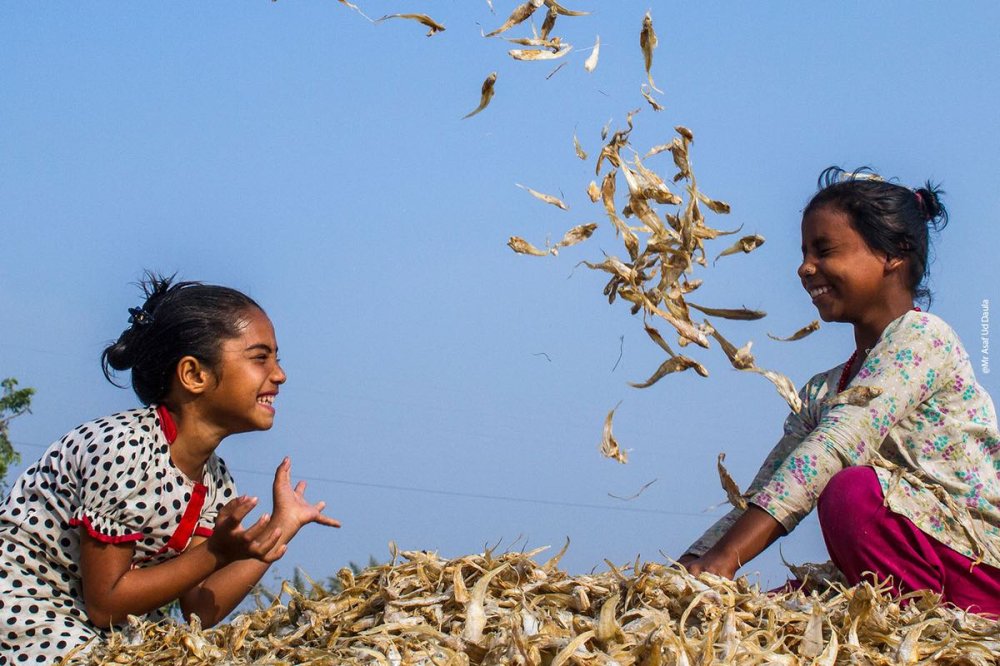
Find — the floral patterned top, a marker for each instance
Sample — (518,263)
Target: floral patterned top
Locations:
(931,437)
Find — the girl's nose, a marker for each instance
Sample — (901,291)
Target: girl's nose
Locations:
(278,376)
(806,269)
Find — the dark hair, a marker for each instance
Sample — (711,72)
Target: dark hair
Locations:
(176,320)
(890,217)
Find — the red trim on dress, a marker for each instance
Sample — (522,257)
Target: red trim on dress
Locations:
(203,531)
(189,521)
(167,424)
(103,538)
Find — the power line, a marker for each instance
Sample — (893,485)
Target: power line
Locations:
(458,493)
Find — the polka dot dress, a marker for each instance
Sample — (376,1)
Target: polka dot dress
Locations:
(113,478)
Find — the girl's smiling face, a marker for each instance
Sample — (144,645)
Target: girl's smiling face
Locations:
(845,278)
(247,377)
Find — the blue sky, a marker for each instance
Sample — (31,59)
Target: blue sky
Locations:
(318,162)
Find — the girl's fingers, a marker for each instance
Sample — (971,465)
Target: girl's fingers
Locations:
(257,528)
(327,520)
(300,488)
(244,507)
(266,545)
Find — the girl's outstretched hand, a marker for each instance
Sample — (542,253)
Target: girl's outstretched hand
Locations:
(290,505)
(231,542)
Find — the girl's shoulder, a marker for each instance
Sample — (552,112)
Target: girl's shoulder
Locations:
(132,428)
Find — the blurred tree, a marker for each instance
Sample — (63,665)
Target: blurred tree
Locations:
(13,402)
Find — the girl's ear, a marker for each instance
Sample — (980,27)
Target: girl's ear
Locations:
(192,375)
(893,263)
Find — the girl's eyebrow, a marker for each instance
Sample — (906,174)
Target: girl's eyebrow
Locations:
(262,346)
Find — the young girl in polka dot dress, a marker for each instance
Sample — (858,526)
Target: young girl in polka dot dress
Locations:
(906,483)
(132,511)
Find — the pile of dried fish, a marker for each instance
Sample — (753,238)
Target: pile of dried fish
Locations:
(485,609)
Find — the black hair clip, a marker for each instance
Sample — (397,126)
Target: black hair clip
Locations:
(139,317)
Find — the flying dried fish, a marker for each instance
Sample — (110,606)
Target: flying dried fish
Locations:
(733,493)
(520,14)
(648,42)
(555,43)
(786,389)
(609,445)
(858,396)
(575,235)
(635,494)
(594,192)
(652,102)
(715,206)
(674,364)
(549,22)
(353,6)
(742,358)
(522,246)
(747,244)
(553,72)
(811,327)
(539,54)
(742,314)
(485,96)
(547,198)
(685,132)
(559,9)
(579,150)
(434,26)
(590,64)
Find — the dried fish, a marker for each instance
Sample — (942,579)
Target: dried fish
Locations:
(858,396)
(575,235)
(590,64)
(520,14)
(747,244)
(726,313)
(733,493)
(353,6)
(539,54)
(553,72)
(579,150)
(715,206)
(648,42)
(549,22)
(786,389)
(635,494)
(594,192)
(493,609)
(434,26)
(485,96)
(609,445)
(674,364)
(741,358)
(559,9)
(522,246)
(799,334)
(652,102)
(547,198)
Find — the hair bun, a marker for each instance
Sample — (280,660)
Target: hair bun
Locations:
(929,201)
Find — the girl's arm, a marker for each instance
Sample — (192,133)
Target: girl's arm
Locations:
(218,594)
(112,589)
(752,532)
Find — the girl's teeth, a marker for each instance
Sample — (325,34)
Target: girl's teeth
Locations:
(816,292)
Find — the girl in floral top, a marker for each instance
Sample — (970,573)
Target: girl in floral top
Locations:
(906,482)
(129,512)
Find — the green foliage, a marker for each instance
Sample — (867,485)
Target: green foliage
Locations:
(13,402)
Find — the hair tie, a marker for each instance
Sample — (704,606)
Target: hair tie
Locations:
(140,317)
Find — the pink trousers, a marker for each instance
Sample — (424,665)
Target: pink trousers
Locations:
(865,538)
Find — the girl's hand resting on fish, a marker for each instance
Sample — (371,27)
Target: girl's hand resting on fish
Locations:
(719,563)
(291,509)
(231,542)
